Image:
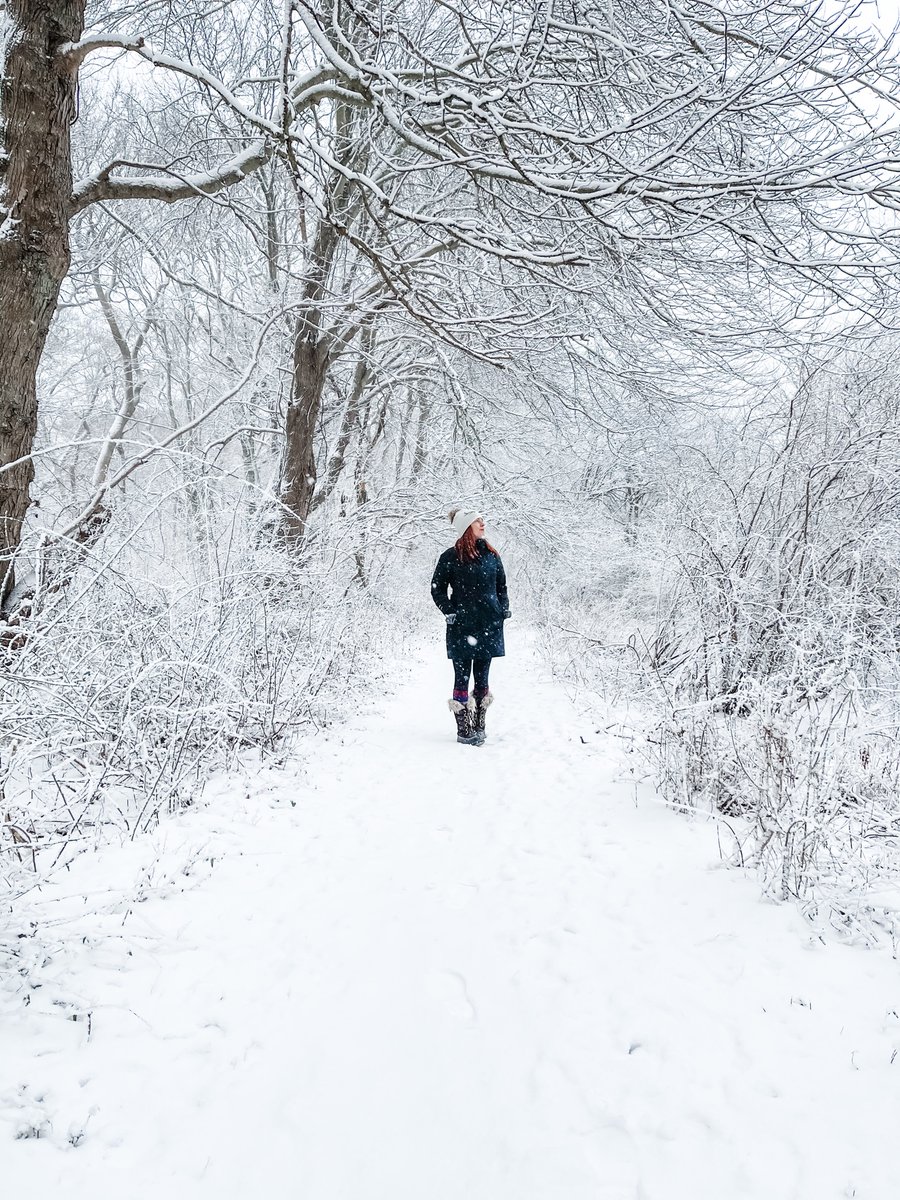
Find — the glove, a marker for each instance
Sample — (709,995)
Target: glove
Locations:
(451,618)
(506,614)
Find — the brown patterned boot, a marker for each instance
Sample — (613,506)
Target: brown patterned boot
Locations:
(478,721)
(464,715)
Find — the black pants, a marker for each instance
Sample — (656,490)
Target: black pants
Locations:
(462,667)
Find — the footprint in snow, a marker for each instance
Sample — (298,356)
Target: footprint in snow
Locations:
(450,988)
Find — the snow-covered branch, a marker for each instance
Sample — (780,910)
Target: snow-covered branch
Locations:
(171,186)
(70,55)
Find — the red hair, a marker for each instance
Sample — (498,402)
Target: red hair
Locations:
(466,550)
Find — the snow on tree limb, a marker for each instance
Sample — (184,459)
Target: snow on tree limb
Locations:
(96,503)
(71,55)
(171,186)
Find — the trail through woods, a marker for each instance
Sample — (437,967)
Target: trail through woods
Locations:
(414,970)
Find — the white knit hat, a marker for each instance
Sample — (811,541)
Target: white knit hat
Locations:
(462,518)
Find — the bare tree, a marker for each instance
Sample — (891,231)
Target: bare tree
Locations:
(654,148)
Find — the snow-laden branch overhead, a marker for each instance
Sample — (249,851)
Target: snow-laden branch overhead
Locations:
(170,186)
(71,55)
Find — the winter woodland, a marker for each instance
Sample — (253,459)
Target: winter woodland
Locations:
(282,280)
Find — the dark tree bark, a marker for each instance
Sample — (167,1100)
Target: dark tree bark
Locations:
(37,107)
(313,353)
(316,346)
(311,361)
(39,62)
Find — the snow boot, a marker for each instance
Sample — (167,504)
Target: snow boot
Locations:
(478,719)
(463,714)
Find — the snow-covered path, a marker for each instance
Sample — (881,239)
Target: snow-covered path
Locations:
(447,973)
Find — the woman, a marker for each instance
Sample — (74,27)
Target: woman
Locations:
(469,587)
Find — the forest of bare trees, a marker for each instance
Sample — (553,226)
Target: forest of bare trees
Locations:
(281,281)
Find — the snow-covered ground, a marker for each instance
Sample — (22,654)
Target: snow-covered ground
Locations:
(420,971)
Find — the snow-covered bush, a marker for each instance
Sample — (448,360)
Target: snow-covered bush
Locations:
(128,693)
(749,617)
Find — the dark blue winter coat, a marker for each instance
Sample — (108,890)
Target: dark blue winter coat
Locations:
(475,594)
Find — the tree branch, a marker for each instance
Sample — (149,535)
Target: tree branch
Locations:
(72,54)
(170,186)
(96,505)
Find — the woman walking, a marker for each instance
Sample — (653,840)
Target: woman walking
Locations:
(469,587)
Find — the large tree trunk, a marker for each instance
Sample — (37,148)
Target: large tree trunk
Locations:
(37,107)
(313,346)
(312,358)
(298,480)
